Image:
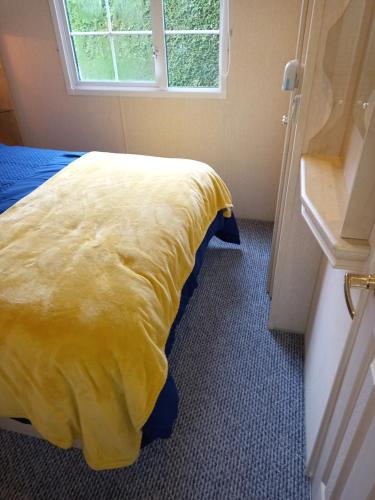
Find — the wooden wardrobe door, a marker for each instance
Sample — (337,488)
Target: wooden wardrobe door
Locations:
(9,131)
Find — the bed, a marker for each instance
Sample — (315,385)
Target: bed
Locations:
(68,365)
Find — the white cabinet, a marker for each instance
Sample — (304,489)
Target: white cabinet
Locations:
(326,215)
(338,164)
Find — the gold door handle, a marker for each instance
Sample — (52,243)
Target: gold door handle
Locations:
(366,282)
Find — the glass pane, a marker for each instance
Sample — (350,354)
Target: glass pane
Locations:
(193,60)
(134,57)
(94,57)
(192,14)
(87,15)
(128,15)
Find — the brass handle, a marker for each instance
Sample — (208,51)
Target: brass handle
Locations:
(366,282)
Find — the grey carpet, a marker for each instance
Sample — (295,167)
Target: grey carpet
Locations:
(240,430)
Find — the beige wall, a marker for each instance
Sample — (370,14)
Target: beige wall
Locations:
(241,136)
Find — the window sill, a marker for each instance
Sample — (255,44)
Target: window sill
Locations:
(147,92)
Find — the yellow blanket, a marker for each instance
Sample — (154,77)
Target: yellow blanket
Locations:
(92,264)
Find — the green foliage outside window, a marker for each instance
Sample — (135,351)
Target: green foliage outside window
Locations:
(192,14)
(193,60)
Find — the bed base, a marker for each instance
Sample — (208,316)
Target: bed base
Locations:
(9,424)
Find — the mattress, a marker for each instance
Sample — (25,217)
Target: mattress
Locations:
(24,169)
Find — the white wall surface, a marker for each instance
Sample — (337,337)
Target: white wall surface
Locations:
(240,136)
(325,341)
(328,332)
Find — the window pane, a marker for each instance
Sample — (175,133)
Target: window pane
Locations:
(128,15)
(134,57)
(94,57)
(193,60)
(192,14)
(87,15)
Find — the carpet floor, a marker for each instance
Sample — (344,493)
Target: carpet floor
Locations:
(240,430)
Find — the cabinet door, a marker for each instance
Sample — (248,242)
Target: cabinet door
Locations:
(5,99)
(345,468)
(9,132)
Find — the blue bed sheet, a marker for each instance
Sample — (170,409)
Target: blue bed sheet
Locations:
(22,170)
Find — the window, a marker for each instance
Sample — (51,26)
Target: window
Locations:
(157,47)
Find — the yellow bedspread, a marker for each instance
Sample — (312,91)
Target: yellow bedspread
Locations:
(92,264)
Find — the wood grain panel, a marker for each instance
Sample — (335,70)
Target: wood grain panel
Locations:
(9,133)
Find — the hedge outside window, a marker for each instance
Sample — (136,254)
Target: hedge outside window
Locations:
(143,46)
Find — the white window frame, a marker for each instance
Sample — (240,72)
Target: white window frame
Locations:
(159,88)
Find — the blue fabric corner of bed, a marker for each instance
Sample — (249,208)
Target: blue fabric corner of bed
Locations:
(23,169)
